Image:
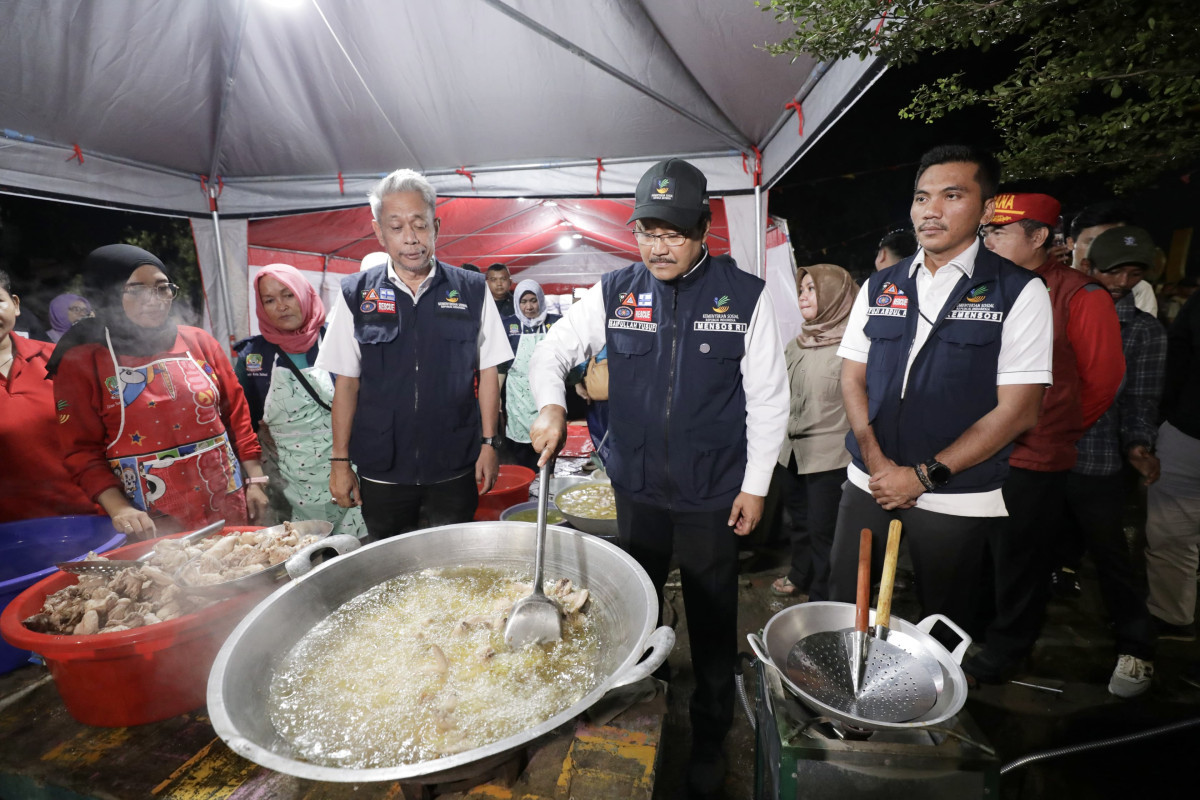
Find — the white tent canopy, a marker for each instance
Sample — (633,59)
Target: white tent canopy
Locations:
(281,107)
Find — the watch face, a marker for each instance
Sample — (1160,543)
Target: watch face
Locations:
(939,473)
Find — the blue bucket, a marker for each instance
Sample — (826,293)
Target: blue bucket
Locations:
(29,550)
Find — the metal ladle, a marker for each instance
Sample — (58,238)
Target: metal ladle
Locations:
(536,619)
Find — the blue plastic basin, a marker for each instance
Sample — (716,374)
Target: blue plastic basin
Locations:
(29,549)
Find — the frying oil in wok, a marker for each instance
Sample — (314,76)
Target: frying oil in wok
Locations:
(416,669)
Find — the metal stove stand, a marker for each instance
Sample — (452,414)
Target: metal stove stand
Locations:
(800,757)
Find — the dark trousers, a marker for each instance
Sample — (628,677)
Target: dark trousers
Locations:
(1097,503)
(812,504)
(707,552)
(392,508)
(1022,553)
(947,554)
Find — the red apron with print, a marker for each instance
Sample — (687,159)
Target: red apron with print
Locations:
(172,454)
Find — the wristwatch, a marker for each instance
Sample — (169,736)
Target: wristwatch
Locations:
(939,474)
(494,441)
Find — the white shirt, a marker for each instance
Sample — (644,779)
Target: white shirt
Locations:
(340,352)
(1143,298)
(1026,348)
(580,334)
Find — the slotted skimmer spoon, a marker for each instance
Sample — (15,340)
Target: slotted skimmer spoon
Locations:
(893,685)
(113,567)
(536,619)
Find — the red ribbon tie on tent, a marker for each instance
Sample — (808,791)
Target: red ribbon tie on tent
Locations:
(882,19)
(745,169)
(212,196)
(341,184)
(469,176)
(599,168)
(757,167)
(795,106)
(77,154)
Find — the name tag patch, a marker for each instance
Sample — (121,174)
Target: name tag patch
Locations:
(630,324)
(976,313)
(886,311)
(720,327)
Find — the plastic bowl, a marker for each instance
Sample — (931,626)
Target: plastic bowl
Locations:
(129,677)
(551,509)
(512,487)
(30,548)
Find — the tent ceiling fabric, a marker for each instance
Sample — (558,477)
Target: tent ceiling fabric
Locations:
(519,232)
(281,102)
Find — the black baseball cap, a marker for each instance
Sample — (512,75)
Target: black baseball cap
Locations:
(1123,246)
(673,191)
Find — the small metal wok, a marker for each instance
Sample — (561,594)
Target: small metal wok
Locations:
(297,564)
(794,623)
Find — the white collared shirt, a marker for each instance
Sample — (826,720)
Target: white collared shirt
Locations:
(1026,347)
(340,352)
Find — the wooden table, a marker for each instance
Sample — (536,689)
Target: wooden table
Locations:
(44,753)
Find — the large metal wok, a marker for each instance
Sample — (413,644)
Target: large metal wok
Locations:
(623,602)
(796,622)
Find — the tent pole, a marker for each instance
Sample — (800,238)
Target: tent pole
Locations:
(759,267)
(226,304)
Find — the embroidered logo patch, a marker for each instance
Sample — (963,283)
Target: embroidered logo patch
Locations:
(452,296)
(721,304)
(370,294)
(643,314)
(367,307)
(900,302)
(978,294)
(664,189)
(387,306)
(883,300)
(624,312)
(628,299)
(891,288)
(254,362)
(387,294)
(645,299)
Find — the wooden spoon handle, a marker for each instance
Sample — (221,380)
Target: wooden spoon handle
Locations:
(883,615)
(863,601)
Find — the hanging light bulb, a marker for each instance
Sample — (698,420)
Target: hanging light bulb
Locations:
(565,242)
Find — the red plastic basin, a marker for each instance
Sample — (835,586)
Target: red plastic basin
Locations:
(512,487)
(129,677)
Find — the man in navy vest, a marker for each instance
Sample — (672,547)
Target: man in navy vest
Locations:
(406,339)
(698,405)
(945,358)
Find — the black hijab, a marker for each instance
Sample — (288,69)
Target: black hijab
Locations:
(108,268)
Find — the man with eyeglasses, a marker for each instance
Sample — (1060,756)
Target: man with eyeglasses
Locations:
(698,406)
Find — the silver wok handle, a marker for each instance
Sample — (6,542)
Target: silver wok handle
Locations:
(300,563)
(760,651)
(960,650)
(659,644)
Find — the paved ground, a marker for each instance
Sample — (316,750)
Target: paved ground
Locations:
(1074,654)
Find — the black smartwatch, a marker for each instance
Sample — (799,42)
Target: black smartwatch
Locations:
(494,441)
(939,474)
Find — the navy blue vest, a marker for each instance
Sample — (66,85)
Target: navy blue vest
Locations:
(677,409)
(417,419)
(259,357)
(952,383)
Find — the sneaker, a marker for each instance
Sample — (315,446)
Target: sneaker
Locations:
(1065,583)
(1175,633)
(1131,677)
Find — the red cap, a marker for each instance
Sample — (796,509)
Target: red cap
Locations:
(1038,207)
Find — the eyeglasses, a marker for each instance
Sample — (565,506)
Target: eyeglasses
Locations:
(78,309)
(669,239)
(164,291)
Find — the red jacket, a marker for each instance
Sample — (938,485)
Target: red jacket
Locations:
(34,480)
(1088,367)
(91,417)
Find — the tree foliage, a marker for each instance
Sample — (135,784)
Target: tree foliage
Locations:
(1105,86)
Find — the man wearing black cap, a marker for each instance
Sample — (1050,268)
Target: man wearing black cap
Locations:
(1095,488)
(698,406)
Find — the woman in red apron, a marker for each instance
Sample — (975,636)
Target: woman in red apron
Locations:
(153,421)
